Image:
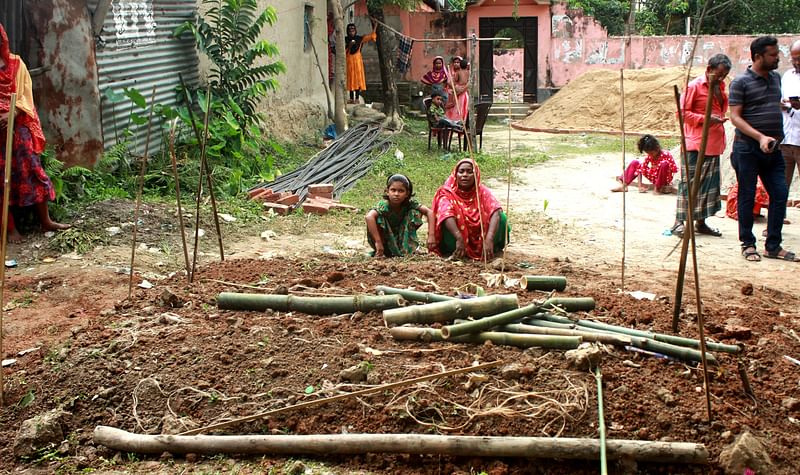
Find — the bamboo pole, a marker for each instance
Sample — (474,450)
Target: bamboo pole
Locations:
(363,392)
(671,339)
(571,304)
(140,189)
(689,234)
(12,110)
(624,201)
(308,305)
(601,421)
(477,326)
(543,282)
(453,445)
(174,161)
(557,342)
(203,171)
(609,339)
(451,309)
(413,295)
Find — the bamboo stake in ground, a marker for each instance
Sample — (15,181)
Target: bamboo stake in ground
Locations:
(453,445)
(601,421)
(12,109)
(363,392)
(624,186)
(308,305)
(140,188)
(451,309)
(174,161)
(203,171)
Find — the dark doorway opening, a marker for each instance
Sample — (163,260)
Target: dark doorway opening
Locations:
(527,27)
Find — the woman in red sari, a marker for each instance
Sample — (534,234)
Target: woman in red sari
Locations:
(469,220)
(30,185)
(436,77)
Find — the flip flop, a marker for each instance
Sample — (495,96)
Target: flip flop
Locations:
(705,229)
(678,230)
(751,254)
(786,256)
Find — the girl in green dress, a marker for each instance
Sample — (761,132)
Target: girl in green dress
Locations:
(392,224)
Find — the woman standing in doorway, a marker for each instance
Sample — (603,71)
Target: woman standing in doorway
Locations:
(356,83)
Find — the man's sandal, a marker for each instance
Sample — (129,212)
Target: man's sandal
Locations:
(751,254)
(678,230)
(705,229)
(783,255)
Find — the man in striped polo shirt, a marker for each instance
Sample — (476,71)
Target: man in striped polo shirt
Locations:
(755,101)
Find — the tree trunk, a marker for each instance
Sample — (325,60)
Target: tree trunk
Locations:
(451,309)
(386,55)
(339,70)
(308,305)
(457,445)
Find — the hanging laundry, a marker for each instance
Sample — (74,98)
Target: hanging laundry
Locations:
(404,53)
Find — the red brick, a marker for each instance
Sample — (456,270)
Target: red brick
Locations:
(320,189)
(280,209)
(321,194)
(270,197)
(315,207)
(255,192)
(289,200)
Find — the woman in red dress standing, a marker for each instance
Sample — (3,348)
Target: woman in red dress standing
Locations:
(30,185)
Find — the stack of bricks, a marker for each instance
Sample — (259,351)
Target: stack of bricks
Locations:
(319,200)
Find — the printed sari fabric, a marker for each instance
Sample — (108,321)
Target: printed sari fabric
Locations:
(29,182)
(472,210)
(398,230)
(436,76)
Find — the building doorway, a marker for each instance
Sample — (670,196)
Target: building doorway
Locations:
(508,68)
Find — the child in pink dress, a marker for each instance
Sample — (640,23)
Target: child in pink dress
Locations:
(659,167)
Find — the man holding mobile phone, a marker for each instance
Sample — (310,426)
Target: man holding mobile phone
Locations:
(790,88)
(755,102)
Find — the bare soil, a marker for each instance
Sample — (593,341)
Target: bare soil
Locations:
(147,367)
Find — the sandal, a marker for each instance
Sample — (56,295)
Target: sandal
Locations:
(705,229)
(678,229)
(751,254)
(782,254)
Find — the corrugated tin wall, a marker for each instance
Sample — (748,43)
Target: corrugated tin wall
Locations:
(136,49)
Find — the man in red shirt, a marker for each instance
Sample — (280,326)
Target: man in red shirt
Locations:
(693,107)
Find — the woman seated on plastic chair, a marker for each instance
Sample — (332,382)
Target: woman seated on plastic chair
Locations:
(469,220)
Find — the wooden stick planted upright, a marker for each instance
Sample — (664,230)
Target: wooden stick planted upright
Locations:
(4,223)
(624,213)
(140,188)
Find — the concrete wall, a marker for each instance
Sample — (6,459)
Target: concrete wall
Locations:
(580,43)
(299,106)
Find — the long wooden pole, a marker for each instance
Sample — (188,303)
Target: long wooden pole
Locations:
(363,392)
(174,161)
(140,189)
(689,234)
(456,445)
(624,210)
(4,233)
(200,180)
(601,421)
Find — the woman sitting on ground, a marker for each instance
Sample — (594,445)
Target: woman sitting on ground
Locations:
(469,220)
(30,185)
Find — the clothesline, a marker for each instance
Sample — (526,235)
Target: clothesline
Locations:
(435,40)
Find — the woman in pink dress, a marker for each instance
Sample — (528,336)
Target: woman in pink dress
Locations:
(457,106)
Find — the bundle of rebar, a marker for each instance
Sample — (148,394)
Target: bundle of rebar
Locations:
(343,163)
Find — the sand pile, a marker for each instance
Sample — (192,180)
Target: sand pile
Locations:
(591,103)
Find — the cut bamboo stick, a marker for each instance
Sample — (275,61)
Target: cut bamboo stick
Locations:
(618,340)
(456,445)
(571,304)
(543,282)
(451,309)
(4,233)
(308,305)
(498,338)
(477,326)
(671,339)
(413,295)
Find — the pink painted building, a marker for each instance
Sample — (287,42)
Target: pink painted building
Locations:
(559,44)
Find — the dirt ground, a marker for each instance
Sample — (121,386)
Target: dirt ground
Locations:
(145,366)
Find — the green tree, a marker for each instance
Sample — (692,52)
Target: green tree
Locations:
(230,35)
(612,14)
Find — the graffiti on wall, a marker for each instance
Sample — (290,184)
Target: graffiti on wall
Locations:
(134,23)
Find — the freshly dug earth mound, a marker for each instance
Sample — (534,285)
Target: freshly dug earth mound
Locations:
(154,364)
(591,103)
